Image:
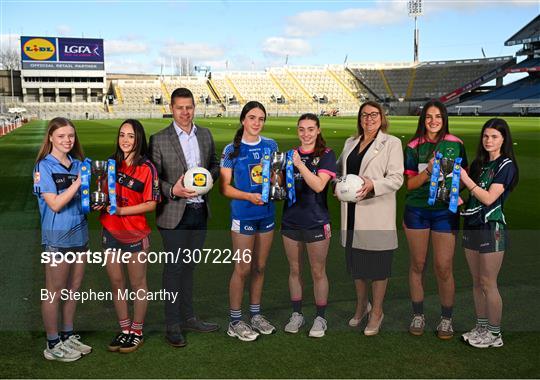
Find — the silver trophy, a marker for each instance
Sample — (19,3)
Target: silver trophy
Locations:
(98,197)
(277,164)
(447,167)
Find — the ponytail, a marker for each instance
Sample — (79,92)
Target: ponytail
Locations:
(320,145)
(236,142)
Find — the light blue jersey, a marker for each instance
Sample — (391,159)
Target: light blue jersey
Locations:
(67,227)
(247,176)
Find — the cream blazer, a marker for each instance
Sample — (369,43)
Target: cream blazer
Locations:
(375,215)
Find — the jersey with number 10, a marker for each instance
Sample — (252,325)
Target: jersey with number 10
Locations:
(247,176)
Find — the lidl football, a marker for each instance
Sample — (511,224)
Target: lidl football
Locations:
(199,180)
(348,186)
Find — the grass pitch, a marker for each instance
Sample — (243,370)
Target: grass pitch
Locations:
(342,353)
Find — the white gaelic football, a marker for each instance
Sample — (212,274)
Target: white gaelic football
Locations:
(199,180)
(347,187)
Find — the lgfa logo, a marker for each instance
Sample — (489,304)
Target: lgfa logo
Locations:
(39,49)
(78,49)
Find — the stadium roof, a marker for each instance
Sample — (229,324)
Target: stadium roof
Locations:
(529,33)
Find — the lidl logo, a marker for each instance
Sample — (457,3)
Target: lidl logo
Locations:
(39,49)
(256,174)
(199,179)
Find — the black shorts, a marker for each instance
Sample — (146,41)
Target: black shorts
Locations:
(109,241)
(485,238)
(307,235)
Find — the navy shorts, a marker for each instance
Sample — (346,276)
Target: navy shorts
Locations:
(251,227)
(485,238)
(307,235)
(417,218)
(109,241)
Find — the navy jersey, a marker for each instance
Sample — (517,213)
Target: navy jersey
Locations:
(502,171)
(67,227)
(310,209)
(247,176)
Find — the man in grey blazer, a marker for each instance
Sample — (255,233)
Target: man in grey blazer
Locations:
(182,215)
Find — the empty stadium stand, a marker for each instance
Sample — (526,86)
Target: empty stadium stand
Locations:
(424,81)
(466,86)
(518,97)
(505,100)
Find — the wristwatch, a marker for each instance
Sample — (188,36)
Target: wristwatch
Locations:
(171,195)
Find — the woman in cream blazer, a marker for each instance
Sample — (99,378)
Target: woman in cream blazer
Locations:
(368,227)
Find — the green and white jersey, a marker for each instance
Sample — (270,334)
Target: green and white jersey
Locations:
(417,155)
(502,170)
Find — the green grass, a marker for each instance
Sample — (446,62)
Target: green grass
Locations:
(343,353)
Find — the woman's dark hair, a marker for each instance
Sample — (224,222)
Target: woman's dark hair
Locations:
(320,143)
(384,120)
(140,148)
(421,128)
(240,131)
(507,150)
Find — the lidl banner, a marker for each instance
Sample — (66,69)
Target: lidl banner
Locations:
(55,53)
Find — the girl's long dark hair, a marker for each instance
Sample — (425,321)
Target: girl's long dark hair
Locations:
(507,150)
(240,131)
(320,143)
(140,147)
(46,145)
(421,128)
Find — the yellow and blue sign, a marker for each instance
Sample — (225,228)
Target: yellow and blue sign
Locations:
(57,53)
(38,49)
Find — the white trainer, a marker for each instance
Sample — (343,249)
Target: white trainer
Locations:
(242,331)
(486,339)
(473,334)
(75,343)
(319,328)
(418,324)
(61,353)
(261,324)
(295,322)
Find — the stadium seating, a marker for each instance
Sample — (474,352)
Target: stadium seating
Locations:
(289,90)
(424,81)
(321,83)
(505,100)
(80,110)
(137,97)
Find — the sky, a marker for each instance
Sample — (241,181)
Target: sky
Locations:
(146,36)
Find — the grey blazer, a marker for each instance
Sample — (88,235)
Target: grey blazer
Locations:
(167,155)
